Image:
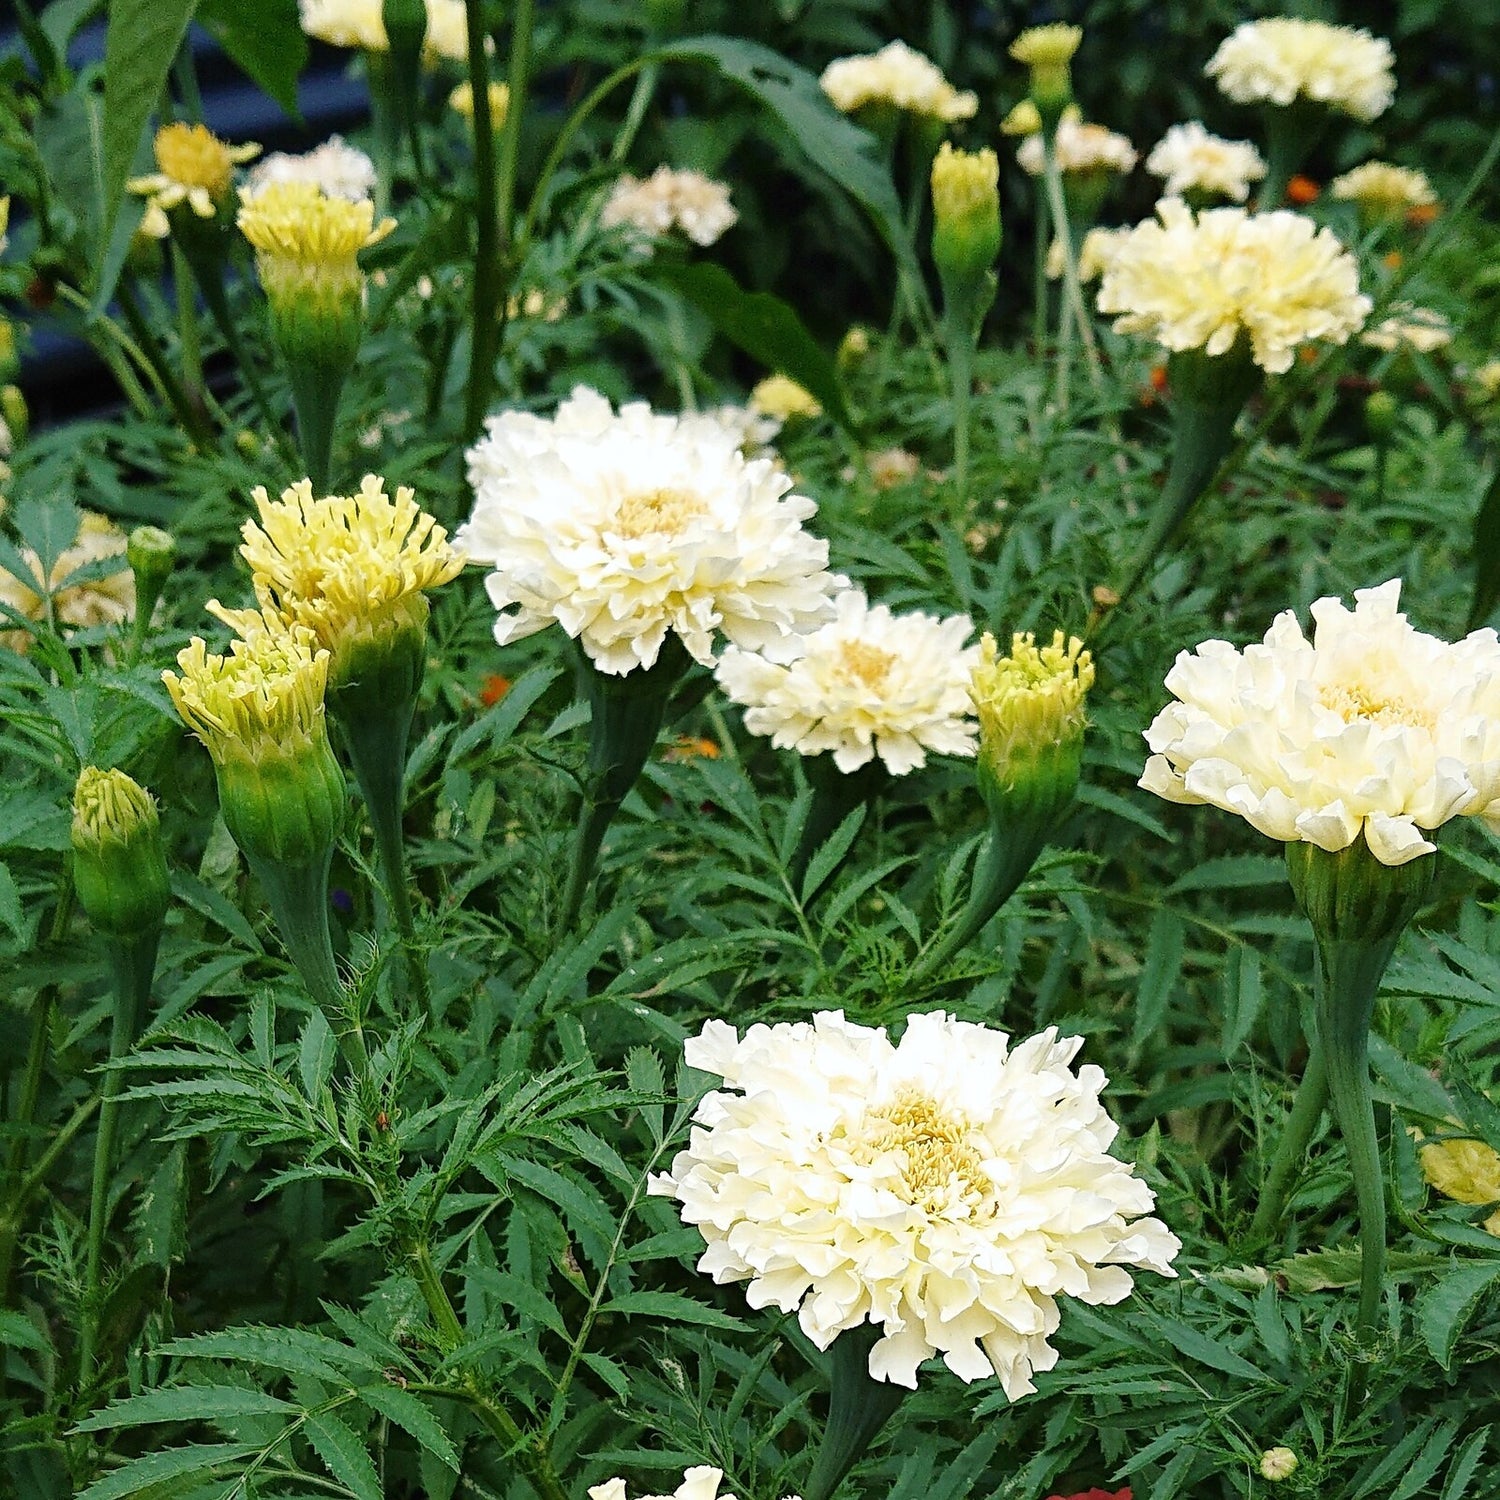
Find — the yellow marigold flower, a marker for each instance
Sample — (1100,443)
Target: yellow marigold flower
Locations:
(1465,1171)
(306,241)
(1281,59)
(1047,46)
(194,167)
(1384,193)
(101,601)
(119,867)
(1031,701)
(461,100)
(781,397)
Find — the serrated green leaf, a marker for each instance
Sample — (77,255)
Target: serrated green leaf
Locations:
(1159,973)
(671,1307)
(828,855)
(294,1350)
(189,1403)
(1444,1307)
(346,1457)
(1465,1464)
(18,1332)
(413,1416)
(10,903)
(166,1464)
(316,1054)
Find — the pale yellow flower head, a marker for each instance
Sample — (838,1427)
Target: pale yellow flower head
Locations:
(1465,1171)
(110,806)
(1024,119)
(671,198)
(119,865)
(781,397)
(1384,191)
(194,167)
(1209,280)
(461,101)
(306,243)
(699,1483)
(1280,60)
(1047,46)
(1190,160)
(100,601)
(963,182)
(1080,147)
(897,76)
(1032,700)
(1415,328)
(361,24)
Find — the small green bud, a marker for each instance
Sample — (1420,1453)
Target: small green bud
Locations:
(966,214)
(119,866)
(1381,412)
(150,551)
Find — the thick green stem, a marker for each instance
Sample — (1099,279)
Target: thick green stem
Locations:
(1290,1155)
(1039,273)
(133,962)
(858,1408)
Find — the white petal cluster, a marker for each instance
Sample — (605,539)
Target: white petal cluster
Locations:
(1382,185)
(947,1188)
(361,23)
(1080,147)
(897,75)
(1279,60)
(1372,728)
(1417,328)
(752,431)
(699,1483)
(1202,281)
(621,528)
(868,683)
(670,199)
(1189,159)
(1093,254)
(336,168)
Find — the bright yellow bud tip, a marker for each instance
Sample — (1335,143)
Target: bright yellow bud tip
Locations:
(964,183)
(1047,46)
(119,868)
(110,806)
(781,397)
(1032,700)
(193,166)
(1024,119)
(297,221)
(1465,1171)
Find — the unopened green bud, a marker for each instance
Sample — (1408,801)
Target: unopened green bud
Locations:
(1277,1464)
(1048,52)
(13,410)
(966,213)
(151,552)
(1381,412)
(119,866)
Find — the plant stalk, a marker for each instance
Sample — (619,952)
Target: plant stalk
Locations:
(858,1408)
(1291,1148)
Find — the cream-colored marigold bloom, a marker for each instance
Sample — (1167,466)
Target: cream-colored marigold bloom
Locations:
(1205,281)
(193,166)
(1047,46)
(1417,328)
(1466,1172)
(100,601)
(867,684)
(700,1483)
(360,23)
(1094,254)
(1192,160)
(946,1188)
(336,168)
(750,430)
(307,243)
(900,76)
(1386,188)
(780,396)
(348,567)
(623,528)
(1279,60)
(1373,728)
(1080,147)
(461,101)
(669,199)
(263,700)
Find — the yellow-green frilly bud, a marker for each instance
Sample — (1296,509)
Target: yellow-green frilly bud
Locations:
(1031,721)
(119,866)
(1024,119)
(966,213)
(151,552)
(259,711)
(1048,52)
(1277,1464)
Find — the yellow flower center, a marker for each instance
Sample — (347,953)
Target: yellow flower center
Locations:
(1355,701)
(662,512)
(194,156)
(865,664)
(940,1163)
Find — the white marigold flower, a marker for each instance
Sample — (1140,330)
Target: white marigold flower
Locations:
(1378,184)
(1373,728)
(868,683)
(1204,281)
(897,75)
(621,528)
(698,1483)
(1094,254)
(751,430)
(336,168)
(1080,147)
(1417,328)
(1279,60)
(947,1188)
(668,200)
(361,24)
(1192,160)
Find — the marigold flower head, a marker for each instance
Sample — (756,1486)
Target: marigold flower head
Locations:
(946,1188)
(1093,254)
(780,396)
(119,866)
(869,683)
(1381,183)
(1415,328)
(336,168)
(108,600)
(671,199)
(898,76)
(461,102)
(1280,60)
(1206,281)
(1465,1171)
(1080,148)
(361,23)
(298,222)
(1373,728)
(626,527)
(1190,160)
(700,1483)
(194,167)
(1047,46)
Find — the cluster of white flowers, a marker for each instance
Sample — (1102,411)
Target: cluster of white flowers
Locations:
(868,683)
(1189,159)
(900,76)
(1279,60)
(1417,328)
(670,199)
(1380,184)
(1205,281)
(1373,728)
(622,528)
(360,23)
(336,168)
(1080,147)
(947,1188)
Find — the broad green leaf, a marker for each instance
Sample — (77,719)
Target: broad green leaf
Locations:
(264,39)
(189,1403)
(142,39)
(1444,1307)
(764,326)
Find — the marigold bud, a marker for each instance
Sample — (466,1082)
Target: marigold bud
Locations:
(966,213)
(119,866)
(1277,1464)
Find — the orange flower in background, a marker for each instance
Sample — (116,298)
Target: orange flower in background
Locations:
(494,689)
(1420,215)
(1302,190)
(1391,260)
(690,747)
